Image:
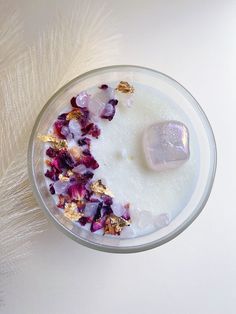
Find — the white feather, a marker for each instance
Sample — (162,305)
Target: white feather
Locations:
(72,46)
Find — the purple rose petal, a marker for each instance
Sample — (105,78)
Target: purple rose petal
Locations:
(52,174)
(91,129)
(73,102)
(62,116)
(51,152)
(83,220)
(103,86)
(51,189)
(77,191)
(84,141)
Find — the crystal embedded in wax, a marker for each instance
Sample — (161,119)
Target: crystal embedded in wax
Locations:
(166,145)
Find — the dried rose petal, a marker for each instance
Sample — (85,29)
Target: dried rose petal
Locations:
(106,210)
(91,129)
(98,221)
(84,141)
(84,118)
(103,86)
(72,179)
(73,191)
(62,199)
(83,220)
(77,191)
(66,161)
(51,189)
(113,102)
(107,200)
(88,195)
(87,152)
(63,161)
(126,214)
(90,219)
(56,163)
(83,179)
(81,205)
(52,174)
(89,162)
(88,175)
(51,152)
(98,224)
(73,102)
(57,127)
(98,212)
(62,116)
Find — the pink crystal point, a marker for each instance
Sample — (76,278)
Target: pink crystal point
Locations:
(166,145)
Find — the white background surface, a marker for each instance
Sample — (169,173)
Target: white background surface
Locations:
(194,42)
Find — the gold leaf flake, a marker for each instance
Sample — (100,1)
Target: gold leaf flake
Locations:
(63,178)
(57,143)
(61,144)
(70,211)
(109,228)
(99,188)
(125,87)
(70,207)
(114,224)
(48,138)
(74,114)
(70,173)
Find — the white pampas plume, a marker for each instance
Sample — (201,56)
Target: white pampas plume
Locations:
(75,44)
(14,220)
(11,46)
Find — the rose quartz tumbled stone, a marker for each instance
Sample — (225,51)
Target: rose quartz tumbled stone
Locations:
(166,145)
